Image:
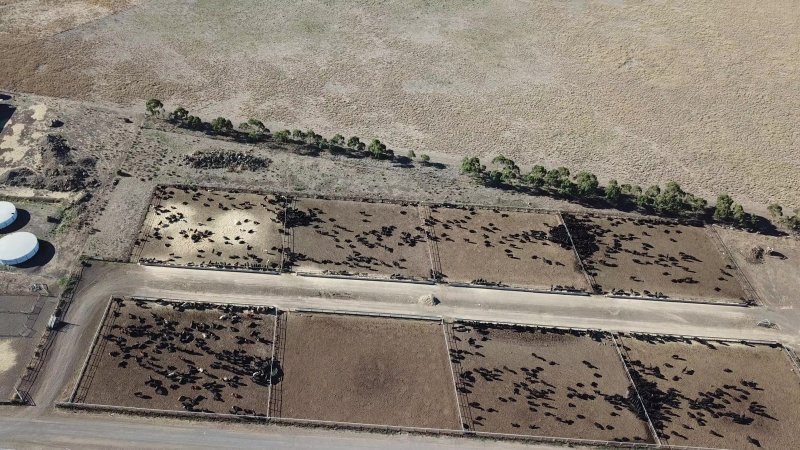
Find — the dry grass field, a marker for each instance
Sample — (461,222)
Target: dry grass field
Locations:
(716,394)
(649,257)
(504,247)
(198,227)
(365,370)
(359,238)
(702,92)
(544,382)
(196,358)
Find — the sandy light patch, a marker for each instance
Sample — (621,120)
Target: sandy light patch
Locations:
(12,149)
(39,111)
(198,227)
(8,356)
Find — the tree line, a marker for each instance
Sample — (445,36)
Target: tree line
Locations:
(669,201)
(255,131)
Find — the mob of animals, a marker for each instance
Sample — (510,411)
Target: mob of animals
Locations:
(191,356)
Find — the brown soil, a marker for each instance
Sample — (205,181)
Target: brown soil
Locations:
(544,383)
(205,228)
(503,247)
(715,394)
(658,258)
(366,370)
(777,277)
(156,355)
(360,238)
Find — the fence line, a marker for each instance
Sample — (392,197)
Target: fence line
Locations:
(39,358)
(288,204)
(740,276)
(589,278)
(366,313)
(91,353)
(459,406)
(272,360)
(650,424)
(424,214)
(793,359)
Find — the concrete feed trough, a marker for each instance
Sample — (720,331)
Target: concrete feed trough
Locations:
(8,214)
(16,248)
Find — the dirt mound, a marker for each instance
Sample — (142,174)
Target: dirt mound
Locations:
(59,170)
(428,300)
(755,255)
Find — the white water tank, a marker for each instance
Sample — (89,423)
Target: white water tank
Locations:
(16,248)
(8,214)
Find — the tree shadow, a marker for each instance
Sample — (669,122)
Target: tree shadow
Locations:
(23,217)
(45,254)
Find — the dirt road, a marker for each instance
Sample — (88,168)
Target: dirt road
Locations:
(105,432)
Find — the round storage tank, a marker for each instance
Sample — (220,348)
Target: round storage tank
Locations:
(8,214)
(16,248)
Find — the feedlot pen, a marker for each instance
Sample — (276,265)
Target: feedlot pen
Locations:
(392,372)
(460,245)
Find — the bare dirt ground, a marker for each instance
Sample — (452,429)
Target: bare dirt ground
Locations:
(544,382)
(199,227)
(196,358)
(22,321)
(641,94)
(359,238)
(653,258)
(776,276)
(716,394)
(366,370)
(510,248)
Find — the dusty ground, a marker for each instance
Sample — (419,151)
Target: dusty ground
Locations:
(544,383)
(366,370)
(212,228)
(503,247)
(153,355)
(695,91)
(715,394)
(22,321)
(777,277)
(648,258)
(360,238)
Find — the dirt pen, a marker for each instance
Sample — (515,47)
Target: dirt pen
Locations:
(358,238)
(544,382)
(180,356)
(207,228)
(521,249)
(716,393)
(659,259)
(366,370)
